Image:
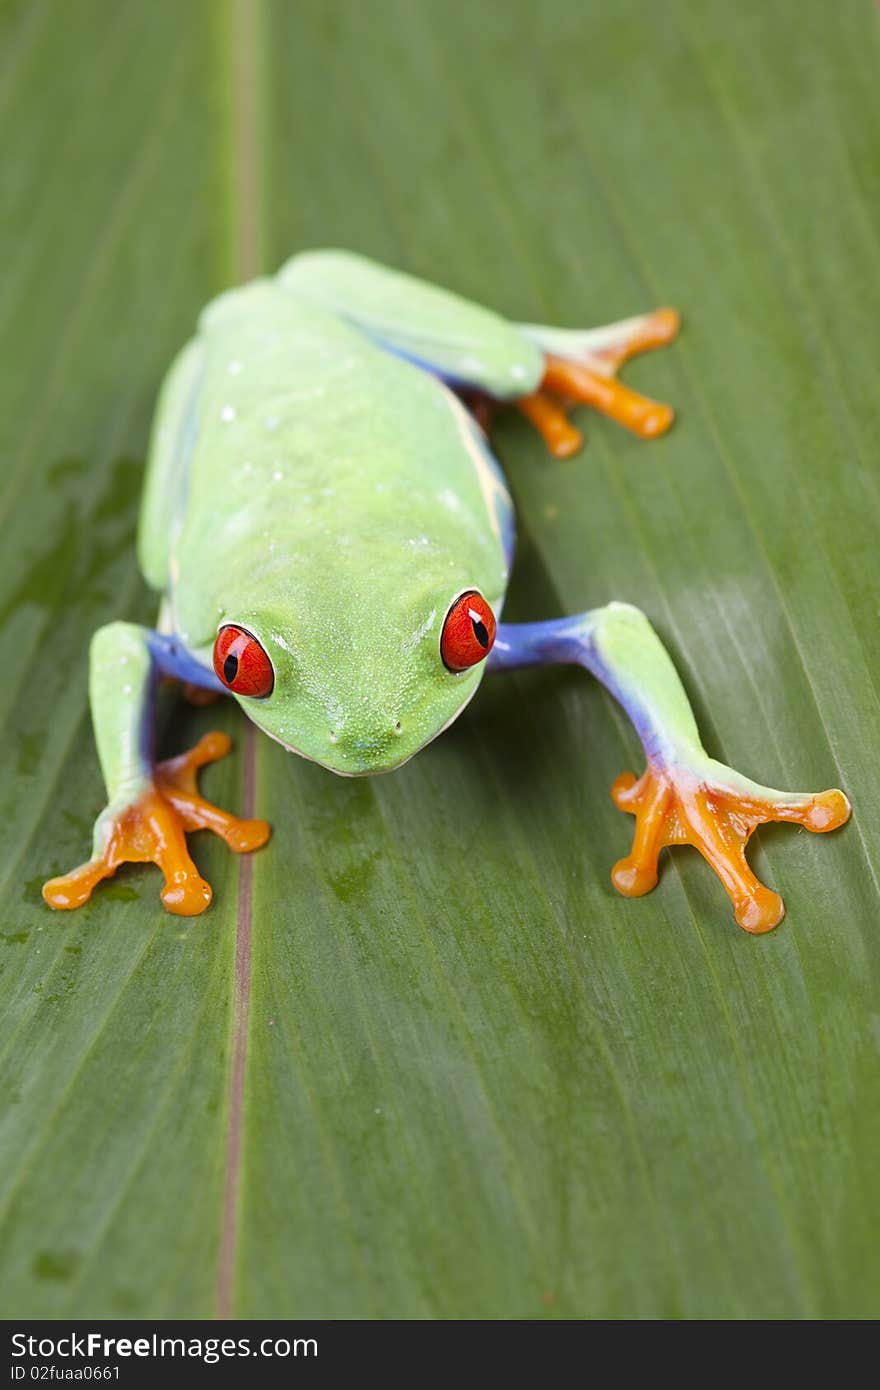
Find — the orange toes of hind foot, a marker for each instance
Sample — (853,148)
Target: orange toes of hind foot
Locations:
(675,806)
(573,381)
(198,696)
(563,440)
(589,377)
(153,828)
(655,420)
(658,328)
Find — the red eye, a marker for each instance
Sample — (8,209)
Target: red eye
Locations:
(468,632)
(241,664)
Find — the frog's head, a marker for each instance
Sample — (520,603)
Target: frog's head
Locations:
(360,686)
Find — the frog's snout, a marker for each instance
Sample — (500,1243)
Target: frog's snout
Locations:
(366,736)
(366,745)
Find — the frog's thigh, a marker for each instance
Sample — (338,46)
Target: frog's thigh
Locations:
(462,342)
(171,445)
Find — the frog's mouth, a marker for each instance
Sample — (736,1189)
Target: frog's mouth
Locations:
(348,760)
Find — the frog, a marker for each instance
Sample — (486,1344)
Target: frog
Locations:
(331,539)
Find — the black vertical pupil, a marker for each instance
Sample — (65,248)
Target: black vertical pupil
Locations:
(230,668)
(480,632)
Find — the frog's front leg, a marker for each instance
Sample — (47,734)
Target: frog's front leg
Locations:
(150,806)
(684,796)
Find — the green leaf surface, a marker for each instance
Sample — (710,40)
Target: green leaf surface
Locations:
(418,1059)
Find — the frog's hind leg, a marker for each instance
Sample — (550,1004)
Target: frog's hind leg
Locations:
(684,796)
(171,444)
(151,806)
(467,345)
(580,367)
(484,357)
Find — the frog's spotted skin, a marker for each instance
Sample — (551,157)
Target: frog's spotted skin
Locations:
(344,570)
(317,490)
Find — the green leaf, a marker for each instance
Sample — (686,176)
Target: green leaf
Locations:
(418,1059)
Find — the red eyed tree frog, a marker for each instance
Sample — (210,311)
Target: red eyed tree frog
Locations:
(332,539)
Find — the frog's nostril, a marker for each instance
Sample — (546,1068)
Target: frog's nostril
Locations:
(365,736)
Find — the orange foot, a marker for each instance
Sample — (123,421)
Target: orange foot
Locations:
(717,814)
(153,827)
(198,696)
(592,380)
